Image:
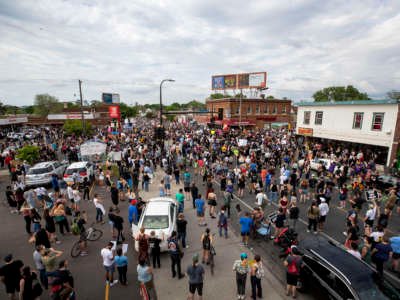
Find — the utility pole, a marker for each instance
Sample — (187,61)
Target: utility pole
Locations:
(240,108)
(82,118)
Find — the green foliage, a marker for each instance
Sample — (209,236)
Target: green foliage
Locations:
(270,97)
(128,111)
(2,109)
(75,127)
(150,115)
(339,93)
(45,104)
(29,153)
(240,95)
(219,96)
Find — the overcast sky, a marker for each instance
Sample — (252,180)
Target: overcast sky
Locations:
(128,47)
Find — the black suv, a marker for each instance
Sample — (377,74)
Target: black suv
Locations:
(338,274)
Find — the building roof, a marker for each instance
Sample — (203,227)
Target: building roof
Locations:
(356,102)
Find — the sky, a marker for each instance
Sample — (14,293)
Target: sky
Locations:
(128,47)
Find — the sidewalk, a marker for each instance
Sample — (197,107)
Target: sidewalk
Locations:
(222,285)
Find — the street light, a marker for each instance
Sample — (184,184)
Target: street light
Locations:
(161,110)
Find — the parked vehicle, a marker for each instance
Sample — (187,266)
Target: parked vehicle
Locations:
(384,182)
(40,174)
(339,274)
(316,163)
(78,171)
(159,215)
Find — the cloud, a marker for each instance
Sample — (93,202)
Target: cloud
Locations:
(128,47)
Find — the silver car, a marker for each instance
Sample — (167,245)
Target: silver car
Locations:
(40,174)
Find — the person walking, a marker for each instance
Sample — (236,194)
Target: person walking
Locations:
(121,261)
(293,264)
(180,198)
(200,207)
(206,242)
(10,275)
(146,280)
(381,253)
(222,223)
(109,263)
(100,211)
(114,196)
(37,258)
(195,272)
(181,224)
(212,202)
(194,190)
(175,254)
(143,240)
(227,202)
(294,213)
(257,272)
(246,222)
(323,212)
(241,268)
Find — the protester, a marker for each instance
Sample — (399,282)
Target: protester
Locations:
(195,272)
(241,268)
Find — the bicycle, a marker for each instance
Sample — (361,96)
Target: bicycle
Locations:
(92,234)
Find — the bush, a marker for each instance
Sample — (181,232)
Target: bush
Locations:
(75,127)
(29,153)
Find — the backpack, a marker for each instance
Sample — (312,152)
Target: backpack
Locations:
(206,242)
(292,267)
(37,289)
(260,272)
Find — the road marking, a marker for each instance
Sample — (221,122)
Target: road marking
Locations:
(107,291)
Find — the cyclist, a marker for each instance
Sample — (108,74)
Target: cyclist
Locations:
(81,220)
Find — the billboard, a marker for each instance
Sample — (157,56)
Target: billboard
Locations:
(109,98)
(239,81)
(114,112)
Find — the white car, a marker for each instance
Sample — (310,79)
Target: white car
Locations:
(159,215)
(317,162)
(79,170)
(40,174)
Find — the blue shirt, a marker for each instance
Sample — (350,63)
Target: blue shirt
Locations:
(395,243)
(133,214)
(121,261)
(199,203)
(246,223)
(186,177)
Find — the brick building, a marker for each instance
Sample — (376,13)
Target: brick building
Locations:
(262,113)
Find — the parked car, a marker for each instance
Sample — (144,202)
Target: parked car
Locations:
(384,182)
(340,275)
(316,163)
(159,215)
(14,136)
(40,174)
(78,171)
(31,134)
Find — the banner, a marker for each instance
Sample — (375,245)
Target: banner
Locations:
(239,81)
(114,112)
(93,148)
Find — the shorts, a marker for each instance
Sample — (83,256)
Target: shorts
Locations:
(395,255)
(245,233)
(200,214)
(12,288)
(186,189)
(291,279)
(212,202)
(369,222)
(322,219)
(110,269)
(196,286)
(167,186)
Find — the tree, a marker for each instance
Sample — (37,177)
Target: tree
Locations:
(29,153)
(75,127)
(127,111)
(270,97)
(150,115)
(394,95)
(219,96)
(2,109)
(339,93)
(45,104)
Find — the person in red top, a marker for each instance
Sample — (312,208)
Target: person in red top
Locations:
(283,203)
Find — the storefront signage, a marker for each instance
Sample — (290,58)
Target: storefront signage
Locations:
(305,131)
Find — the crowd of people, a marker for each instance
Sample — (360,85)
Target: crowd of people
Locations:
(271,165)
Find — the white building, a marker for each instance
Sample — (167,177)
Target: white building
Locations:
(369,124)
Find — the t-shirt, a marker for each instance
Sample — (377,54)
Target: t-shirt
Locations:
(11,273)
(37,258)
(186,177)
(280,220)
(180,197)
(143,275)
(195,273)
(121,261)
(246,223)
(383,251)
(154,243)
(49,262)
(199,203)
(107,255)
(181,225)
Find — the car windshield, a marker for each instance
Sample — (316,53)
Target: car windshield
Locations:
(155,222)
(40,170)
(72,171)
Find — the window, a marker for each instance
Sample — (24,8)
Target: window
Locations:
(377,121)
(284,109)
(357,120)
(257,109)
(307,117)
(237,109)
(155,222)
(266,109)
(318,117)
(274,109)
(249,109)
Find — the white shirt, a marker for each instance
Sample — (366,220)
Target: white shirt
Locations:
(355,253)
(108,257)
(76,195)
(70,192)
(323,209)
(377,236)
(371,213)
(260,197)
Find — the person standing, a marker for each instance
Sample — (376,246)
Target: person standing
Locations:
(257,272)
(312,214)
(37,258)
(294,213)
(227,202)
(186,183)
(381,253)
(143,244)
(86,188)
(155,250)
(241,268)
(195,272)
(145,277)
(175,254)
(200,204)
(323,212)
(100,211)
(121,261)
(181,224)
(293,264)
(114,196)
(194,190)
(10,275)
(109,263)
(222,223)
(206,242)
(180,198)
(245,226)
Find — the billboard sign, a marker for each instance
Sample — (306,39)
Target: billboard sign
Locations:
(305,131)
(239,81)
(114,112)
(109,98)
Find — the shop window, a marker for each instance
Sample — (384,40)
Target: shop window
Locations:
(357,120)
(266,109)
(257,109)
(284,109)
(274,109)
(318,117)
(307,117)
(237,111)
(377,121)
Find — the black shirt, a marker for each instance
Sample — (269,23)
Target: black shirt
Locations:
(294,212)
(154,243)
(12,273)
(181,225)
